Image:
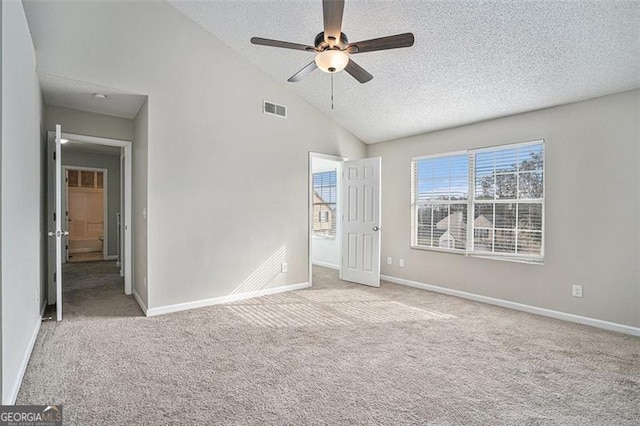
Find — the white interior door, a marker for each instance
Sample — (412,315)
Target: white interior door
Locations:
(56,222)
(361,221)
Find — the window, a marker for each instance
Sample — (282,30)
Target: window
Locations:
(499,190)
(324,204)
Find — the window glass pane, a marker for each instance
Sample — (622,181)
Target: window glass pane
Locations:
(73,178)
(483,217)
(505,241)
(456,232)
(87,179)
(530,157)
(483,239)
(506,160)
(529,242)
(530,216)
(424,236)
(506,186)
(505,216)
(531,185)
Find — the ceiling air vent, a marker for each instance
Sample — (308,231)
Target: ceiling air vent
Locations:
(274,109)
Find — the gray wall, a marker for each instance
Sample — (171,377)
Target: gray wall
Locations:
(21,198)
(88,123)
(227,193)
(72,157)
(592,210)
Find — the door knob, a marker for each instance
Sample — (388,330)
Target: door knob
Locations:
(58,233)
(375,228)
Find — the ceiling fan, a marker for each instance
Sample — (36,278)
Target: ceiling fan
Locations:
(333,49)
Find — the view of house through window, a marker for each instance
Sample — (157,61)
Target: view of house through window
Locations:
(502,189)
(324,204)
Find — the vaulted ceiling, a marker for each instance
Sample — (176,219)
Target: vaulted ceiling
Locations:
(471,61)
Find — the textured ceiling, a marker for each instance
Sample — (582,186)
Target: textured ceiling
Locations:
(471,60)
(62,92)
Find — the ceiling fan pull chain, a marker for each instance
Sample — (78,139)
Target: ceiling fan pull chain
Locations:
(332,91)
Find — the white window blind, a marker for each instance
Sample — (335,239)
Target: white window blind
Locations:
(441,201)
(499,190)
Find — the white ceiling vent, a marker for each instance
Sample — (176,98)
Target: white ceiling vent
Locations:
(274,109)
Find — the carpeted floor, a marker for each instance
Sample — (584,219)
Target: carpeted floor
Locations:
(338,353)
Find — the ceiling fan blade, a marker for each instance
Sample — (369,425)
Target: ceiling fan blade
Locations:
(303,72)
(283,44)
(332,11)
(382,43)
(358,72)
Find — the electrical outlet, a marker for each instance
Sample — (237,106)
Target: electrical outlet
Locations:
(389,261)
(144,282)
(284,267)
(401,263)
(576,290)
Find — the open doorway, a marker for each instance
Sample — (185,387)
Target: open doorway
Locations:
(344,217)
(325,172)
(90,181)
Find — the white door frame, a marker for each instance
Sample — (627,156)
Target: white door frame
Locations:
(105,201)
(320,156)
(127,223)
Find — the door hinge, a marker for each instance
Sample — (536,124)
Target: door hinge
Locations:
(54,216)
(54,155)
(55,276)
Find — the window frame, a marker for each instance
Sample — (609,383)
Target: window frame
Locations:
(471,206)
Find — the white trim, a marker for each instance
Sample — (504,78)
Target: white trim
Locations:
(606,325)
(326,265)
(442,154)
(140,302)
(13,392)
(111,257)
(223,299)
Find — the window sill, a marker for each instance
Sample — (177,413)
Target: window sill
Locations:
(504,258)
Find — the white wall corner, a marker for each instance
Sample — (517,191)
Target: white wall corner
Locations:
(606,325)
(140,302)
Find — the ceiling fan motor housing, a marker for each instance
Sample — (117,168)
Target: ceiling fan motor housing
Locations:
(321,44)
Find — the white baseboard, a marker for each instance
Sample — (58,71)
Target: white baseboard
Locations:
(223,299)
(112,257)
(140,302)
(612,326)
(325,265)
(10,399)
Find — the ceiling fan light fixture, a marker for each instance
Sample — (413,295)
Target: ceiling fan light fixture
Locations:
(332,60)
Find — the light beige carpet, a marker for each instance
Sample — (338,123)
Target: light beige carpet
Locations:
(338,353)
